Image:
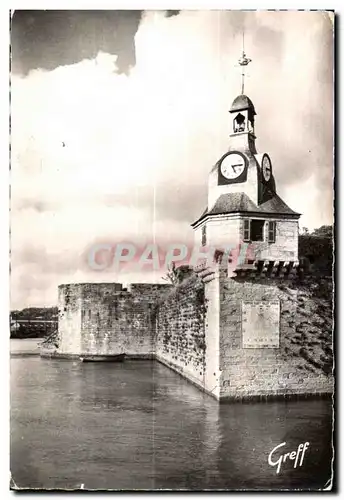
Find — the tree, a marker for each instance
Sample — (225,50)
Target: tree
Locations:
(316,250)
(171,275)
(177,274)
(324,231)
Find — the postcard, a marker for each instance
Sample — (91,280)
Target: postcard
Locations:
(172,191)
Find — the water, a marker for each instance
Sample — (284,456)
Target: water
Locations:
(138,425)
(25,346)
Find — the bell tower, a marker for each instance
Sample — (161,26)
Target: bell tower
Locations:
(250,237)
(242,114)
(243,205)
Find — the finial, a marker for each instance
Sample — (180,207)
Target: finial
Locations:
(243,61)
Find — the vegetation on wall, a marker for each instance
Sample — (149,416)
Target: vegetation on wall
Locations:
(178,274)
(316,251)
(312,343)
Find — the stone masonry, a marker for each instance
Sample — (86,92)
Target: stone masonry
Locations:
(105,319)
(196,328)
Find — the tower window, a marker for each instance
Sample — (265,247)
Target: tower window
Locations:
(253,230)
(257,228)
(204,236)
(272,232)
(239,123)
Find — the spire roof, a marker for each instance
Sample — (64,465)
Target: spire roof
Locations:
(242,102)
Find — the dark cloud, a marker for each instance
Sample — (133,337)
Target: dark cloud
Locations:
(48,38)
(171,13)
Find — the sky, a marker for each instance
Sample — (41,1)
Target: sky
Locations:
(117,117)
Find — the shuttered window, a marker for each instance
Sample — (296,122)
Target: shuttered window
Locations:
(204,236)
(247,229)
(272,232)
(257,230)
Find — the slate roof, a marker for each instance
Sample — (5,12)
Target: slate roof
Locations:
(242,102)
(241,203)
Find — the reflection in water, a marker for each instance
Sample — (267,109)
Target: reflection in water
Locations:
(138,425)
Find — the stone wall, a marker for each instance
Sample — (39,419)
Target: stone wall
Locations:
(303,362)
(180,334)
(223,232)
(285,247)
(212,337)
(69,319)
(104,319)
(226,231)
(196,328)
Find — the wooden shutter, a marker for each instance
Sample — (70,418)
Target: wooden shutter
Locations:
(204,236)
(272,232)
(247,227)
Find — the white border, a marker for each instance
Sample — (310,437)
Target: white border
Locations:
(4,219)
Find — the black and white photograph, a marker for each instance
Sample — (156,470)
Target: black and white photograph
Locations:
(172,250)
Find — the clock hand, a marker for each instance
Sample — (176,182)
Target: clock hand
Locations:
(237,165)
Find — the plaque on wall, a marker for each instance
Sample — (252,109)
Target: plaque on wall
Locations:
(260,324)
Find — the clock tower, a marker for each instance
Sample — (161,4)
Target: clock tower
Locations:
(243,204)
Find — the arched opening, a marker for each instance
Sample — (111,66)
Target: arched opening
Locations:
(239,123)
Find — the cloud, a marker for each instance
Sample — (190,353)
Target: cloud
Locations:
(51,38)
(98,154)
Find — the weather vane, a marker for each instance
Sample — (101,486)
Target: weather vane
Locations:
(243,61)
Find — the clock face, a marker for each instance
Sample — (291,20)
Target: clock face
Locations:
(232,166)
(266,168)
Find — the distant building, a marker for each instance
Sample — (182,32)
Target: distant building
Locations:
(14,326)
